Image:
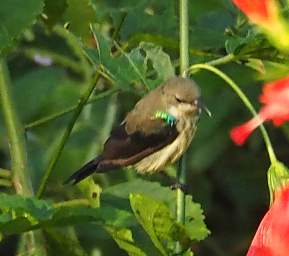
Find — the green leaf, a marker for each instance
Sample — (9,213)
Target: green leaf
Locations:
(161,62)
(80,14)
(123,237)
(140,186)
(154,218)
(15,17)
(133,67)
(124,70)
(194,223)
(246,44)
(18,214)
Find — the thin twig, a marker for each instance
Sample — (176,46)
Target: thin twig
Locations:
(68,110)
(56,155)
(73,203)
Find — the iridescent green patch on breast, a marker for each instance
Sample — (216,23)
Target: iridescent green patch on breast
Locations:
(168,118)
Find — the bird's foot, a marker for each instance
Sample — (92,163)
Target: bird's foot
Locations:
(183,187)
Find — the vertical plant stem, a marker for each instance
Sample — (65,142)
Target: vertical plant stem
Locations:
(15,131)
(184,64)
(31,241)
(56,155)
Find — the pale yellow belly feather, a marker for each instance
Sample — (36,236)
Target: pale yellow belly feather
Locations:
(172,152)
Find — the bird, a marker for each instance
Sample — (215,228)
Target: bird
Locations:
(154,134)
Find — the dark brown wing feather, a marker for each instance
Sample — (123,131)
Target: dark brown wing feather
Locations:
(123,149)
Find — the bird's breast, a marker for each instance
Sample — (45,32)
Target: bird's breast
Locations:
(186,127)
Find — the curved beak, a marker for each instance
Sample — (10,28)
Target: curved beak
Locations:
(203,107)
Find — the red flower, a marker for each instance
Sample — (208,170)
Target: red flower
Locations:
(258,11)
(275,98)
(272,236)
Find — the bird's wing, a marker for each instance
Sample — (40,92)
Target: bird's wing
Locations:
(123,148)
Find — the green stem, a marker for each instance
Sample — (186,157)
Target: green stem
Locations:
(56,155)
(19,167)
(68,110)
(244,99)
(222,60)
(73,203)
(20,174)
(184,64)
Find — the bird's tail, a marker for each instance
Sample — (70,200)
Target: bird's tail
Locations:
(83,172)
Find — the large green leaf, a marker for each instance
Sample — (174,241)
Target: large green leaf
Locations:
(132,67)
(161,62)
(19,214)
(15,16)
(156,219)
(150,212)
(195,216)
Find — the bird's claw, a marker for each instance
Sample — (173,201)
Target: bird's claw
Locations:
(183,187)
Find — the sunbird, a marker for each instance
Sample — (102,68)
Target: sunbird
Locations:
(154,134)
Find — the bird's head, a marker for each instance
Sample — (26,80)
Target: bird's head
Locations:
(182,96)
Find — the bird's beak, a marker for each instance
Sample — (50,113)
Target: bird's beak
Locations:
(204,108)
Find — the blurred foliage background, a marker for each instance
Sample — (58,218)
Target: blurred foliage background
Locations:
(136,45)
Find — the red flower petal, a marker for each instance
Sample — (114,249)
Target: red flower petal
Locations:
(276,91)
(272,236)
(240,133)
(254,9)
(275,97)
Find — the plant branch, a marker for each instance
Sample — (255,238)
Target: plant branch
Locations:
(56,155)
(184,64)
(68,110)
(20,174)
(222,60)
(73,203)
(19,167)
(244,99)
